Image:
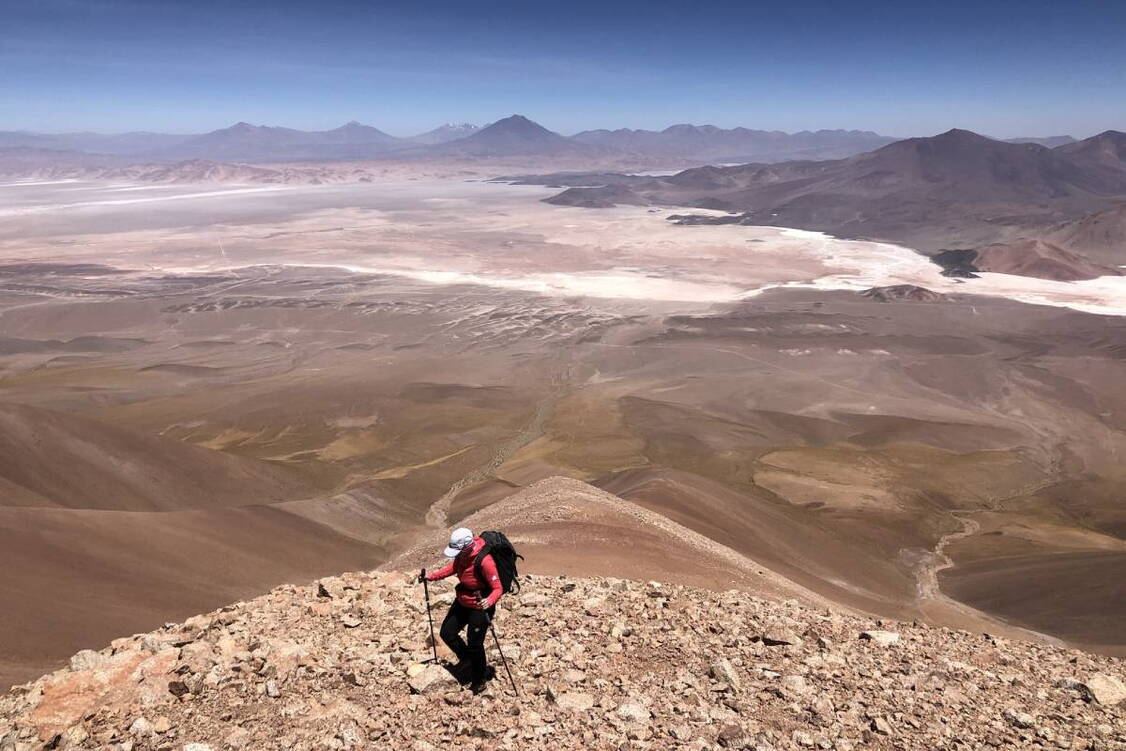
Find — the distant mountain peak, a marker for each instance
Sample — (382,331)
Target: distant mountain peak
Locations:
(514,135)
(517,124)
(1108,147)
(359,133)
(515,127)
(445,133)
(354,125)
(945,145)
(1108,139)
(960,134)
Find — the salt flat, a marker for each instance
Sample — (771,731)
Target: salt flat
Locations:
(472,232)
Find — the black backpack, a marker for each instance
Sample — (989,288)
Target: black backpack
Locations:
(504,556)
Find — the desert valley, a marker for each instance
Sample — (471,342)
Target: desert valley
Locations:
(213,387)
(781,348)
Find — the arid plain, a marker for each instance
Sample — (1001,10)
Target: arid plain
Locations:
(208,390)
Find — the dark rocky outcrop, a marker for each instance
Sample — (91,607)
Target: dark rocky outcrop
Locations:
(903,293)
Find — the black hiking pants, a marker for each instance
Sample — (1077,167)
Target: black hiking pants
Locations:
(471,649)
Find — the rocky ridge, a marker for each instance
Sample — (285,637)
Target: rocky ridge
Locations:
(903,293)
(1025,209)
(600,663)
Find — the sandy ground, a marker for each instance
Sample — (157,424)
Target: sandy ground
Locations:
(343,364)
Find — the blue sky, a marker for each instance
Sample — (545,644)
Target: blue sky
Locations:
(1004,68)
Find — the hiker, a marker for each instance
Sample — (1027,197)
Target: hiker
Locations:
(478,589)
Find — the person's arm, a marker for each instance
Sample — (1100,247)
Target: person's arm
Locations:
(489,571)
(441,573)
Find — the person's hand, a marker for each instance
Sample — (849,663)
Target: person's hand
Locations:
(422,576)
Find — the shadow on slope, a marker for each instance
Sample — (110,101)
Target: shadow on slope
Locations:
(106,531)
(49,459)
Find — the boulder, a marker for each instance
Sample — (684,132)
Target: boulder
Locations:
(634,711)
(74,737)
(153,677)
(1018,719)
(1105,689)
(780,634)
(594,606)
(330,587)
(802,739)
(88,659)
(574,701)
(881,725)
(141,727)
(350,734)
(533,600)
(158,641)
(882,638)
(794,684)
(431,679)
(722,670)
(284,657)
(731,736)
(620,630)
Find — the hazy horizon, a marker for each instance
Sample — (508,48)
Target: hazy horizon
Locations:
(611,126)
(122,65)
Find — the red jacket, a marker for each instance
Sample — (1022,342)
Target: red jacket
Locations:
(469,586)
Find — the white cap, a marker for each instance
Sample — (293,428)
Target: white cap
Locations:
(460,539)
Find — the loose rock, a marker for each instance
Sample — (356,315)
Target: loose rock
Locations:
(431,679)
(599,663)
(882,638)
(1105,689)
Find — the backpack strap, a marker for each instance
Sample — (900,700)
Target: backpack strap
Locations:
(486,549)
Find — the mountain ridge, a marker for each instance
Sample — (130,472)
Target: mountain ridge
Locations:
(735,144)
(957,189)
(245,142)
(343,663)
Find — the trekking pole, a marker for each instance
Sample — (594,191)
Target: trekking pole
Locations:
(429,617)
(503,659)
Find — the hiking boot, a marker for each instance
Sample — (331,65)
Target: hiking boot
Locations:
(479,686)
(460,671)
